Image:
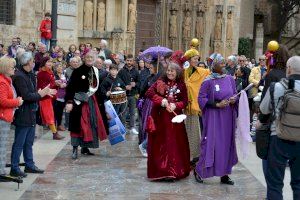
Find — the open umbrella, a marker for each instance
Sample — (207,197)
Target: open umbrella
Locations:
(155,52)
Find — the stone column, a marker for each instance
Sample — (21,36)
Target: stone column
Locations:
(95,15)
(110,9)
(229,32)
(259,40)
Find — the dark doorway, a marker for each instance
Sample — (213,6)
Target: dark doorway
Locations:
(145,30)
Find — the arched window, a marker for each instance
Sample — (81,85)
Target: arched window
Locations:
(7,12)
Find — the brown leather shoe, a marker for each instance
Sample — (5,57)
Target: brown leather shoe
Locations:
(56,136)
(61,128)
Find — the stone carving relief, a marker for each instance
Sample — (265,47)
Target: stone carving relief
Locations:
(199,26)
(101,16)
(88,15)
(132,16)
(229,29)
(187,25)
(117,38)
(218,26)
(173,25)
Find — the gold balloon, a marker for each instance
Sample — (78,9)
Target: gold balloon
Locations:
(273,46)
(194,42)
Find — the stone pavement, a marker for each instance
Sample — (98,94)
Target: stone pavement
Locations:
(119,172)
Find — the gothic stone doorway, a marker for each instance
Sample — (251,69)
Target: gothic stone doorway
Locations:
(145,30)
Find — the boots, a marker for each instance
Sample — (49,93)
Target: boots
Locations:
(75,153)
(226,180)
(197,177)
(86,151)
(56,136)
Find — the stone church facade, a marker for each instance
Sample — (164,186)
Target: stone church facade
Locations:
(130,25)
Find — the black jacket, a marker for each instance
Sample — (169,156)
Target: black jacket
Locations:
(79,82)
(128,76)
(275,75)
(25,85)
(110,83)
(151,79)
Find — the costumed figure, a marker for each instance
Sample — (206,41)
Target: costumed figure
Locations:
(219,111)
(168,149)
(145,106)
(193,77)
(45,77)
(85,123)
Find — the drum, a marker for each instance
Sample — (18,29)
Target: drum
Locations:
(118,97)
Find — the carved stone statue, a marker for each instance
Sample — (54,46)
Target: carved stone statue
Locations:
(173,25)
(101,16)
(132,15)
(88,15)
(229,30)
(218,27)
(187,25)
(200,25)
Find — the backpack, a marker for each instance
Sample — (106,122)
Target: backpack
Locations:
(288,121)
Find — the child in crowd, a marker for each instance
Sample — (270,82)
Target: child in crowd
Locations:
(111,84)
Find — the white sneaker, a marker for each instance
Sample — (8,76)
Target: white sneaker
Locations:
(134,131)
(143,151)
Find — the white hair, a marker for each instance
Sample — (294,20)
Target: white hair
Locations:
(73,59)
(25,58)
(108,62)
(294,64)
(104,42)
(232,58)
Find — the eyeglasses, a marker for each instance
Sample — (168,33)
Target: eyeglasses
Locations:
(262,59)
(241,60)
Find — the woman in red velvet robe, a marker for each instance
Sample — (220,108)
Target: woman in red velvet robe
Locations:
(168,147)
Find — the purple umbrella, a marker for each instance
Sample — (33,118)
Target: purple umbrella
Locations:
(155,52)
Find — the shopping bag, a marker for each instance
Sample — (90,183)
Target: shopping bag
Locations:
(116,129)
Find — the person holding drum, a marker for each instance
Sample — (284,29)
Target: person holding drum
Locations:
(114,89)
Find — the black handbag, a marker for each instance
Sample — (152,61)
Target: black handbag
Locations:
(263,134)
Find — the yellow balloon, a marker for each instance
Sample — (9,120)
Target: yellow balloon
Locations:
(194,42)
(273,45)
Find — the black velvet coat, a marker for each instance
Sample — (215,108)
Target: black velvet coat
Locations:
(79,82)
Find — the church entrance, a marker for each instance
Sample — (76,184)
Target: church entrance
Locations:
(145,30)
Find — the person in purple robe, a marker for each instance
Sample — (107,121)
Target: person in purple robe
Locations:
(217,148)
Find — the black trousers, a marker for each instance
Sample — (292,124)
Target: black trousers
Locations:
(58,111)
(281,152)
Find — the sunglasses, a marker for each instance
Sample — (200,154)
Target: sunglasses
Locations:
(262,59)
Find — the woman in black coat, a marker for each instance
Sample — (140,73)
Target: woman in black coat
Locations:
(85,124)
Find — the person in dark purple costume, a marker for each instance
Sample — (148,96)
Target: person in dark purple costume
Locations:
(218,150)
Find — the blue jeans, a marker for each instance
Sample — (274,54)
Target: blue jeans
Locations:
(281,152)
(145,143)
(45,42)
(24,137)
(131,108)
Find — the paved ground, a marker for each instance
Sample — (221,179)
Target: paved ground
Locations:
(119,172)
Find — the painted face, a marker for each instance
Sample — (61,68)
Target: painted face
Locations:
(194,61)
(171,74)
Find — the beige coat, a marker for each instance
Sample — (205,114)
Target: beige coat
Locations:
(255,77)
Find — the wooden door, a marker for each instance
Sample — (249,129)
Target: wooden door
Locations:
(145,30)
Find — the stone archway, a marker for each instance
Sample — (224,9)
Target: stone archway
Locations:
(145,30)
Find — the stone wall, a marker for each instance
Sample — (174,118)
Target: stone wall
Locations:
(29,13)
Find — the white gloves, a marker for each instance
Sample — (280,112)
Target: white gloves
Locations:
(164,103)
(172,106)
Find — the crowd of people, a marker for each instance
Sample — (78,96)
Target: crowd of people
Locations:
(68,90)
